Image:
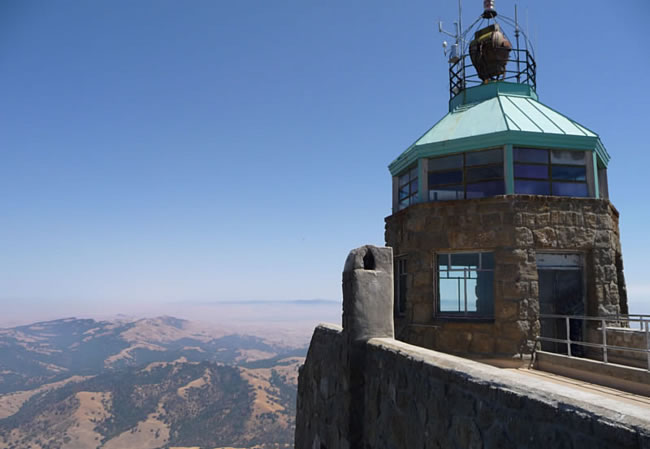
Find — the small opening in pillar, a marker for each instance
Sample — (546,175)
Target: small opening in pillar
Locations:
(368,261)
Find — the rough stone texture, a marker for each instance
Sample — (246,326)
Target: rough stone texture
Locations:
(515,228)
(368,293)
(418,398)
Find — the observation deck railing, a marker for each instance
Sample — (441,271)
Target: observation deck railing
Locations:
(521,68)
(635,323)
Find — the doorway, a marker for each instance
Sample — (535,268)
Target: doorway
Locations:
(561,292)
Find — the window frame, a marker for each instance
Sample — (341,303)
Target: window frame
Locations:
(462,315)
(411,198)
(401,280)
(465,168)
(549,164)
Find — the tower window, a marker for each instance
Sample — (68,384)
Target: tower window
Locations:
(408,188)
(475,174)
(550,172)
(400,285)
(465,284)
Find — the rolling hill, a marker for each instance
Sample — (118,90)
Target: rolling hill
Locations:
(152,383)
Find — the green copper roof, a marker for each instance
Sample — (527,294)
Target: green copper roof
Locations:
(497,114)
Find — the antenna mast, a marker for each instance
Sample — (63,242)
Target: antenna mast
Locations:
(517,39)
(456,51)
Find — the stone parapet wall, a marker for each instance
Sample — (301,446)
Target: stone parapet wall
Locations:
(412,397)
(625,338)
(515,228)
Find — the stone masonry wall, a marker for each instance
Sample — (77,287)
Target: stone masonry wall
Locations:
(515,228)
(417,398)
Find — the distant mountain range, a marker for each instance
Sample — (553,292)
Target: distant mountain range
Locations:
(150,383)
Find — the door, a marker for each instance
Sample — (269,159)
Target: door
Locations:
(561,293)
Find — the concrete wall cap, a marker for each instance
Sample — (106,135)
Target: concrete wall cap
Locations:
(521,384)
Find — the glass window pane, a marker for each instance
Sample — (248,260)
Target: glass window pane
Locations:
(531,155)
(533,187)
(484,157)
(479,173)
(471,295)
(403,204)
(404,179)
(465,289)
(485,189)
(531,171)
(487,261)
(569,173)
(443,261)
(448,177)
(567,157)
(404,192)
(446,163)
(570,189)
(414,186)
(414,172)
(402,293)
(484,293)
(450,295)
(447,193)
(460,261)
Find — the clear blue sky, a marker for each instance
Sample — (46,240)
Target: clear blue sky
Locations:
(157,151)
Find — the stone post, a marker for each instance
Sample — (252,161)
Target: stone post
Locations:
(367,313)
(368,293)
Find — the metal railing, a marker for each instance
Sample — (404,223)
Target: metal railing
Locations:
(643,325)
(521,68)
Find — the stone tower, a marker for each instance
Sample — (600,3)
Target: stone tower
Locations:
(501,212)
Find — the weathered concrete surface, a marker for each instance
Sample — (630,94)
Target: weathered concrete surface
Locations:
(368,293)
(625,378)
(515,228)
(418,398)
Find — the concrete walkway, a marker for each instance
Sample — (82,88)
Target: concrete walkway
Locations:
(606,392)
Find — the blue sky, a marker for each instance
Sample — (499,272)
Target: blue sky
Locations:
(160,151)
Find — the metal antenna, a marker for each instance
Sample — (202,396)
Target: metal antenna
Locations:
(460,17)
(517,38)
(527,30)
(456,50)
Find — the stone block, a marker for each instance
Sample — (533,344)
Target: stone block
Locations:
(603,239)
(482,344)
(454,341)
(433,223)
(470,221)
(523,237)
(591,220)
(556,218)
(422,312)
(515,289)
(543,220)
(545,237)
(528,219)
(416,224)
(511,255)
(491,219)
(422,279)
(507,346)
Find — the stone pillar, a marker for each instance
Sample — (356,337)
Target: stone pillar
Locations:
(367,313)
(368,293)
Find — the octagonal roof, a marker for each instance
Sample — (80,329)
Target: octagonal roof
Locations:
(496,114)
